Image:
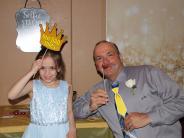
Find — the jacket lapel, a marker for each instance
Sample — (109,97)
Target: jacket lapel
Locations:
(109,113)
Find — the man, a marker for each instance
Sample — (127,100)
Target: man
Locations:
(154,106)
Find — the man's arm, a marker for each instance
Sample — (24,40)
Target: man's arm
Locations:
(88,104)
(172,95)
(81,108)
(172,107)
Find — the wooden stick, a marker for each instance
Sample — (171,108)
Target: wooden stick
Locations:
(41,60)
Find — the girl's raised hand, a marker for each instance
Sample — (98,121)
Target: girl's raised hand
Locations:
(37,64)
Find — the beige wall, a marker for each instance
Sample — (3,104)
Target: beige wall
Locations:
(88,27)
(84,24)
(149,32)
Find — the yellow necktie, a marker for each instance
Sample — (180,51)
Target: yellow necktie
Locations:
(121,107)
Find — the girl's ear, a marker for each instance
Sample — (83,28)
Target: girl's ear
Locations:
(59,69)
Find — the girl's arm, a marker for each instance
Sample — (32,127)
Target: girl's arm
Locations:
(24,85)
(72,127)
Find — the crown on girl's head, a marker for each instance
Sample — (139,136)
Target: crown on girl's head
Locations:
(50,39)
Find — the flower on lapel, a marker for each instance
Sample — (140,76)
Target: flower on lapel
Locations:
(131,83)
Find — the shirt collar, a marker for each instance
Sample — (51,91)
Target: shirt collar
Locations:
(122,76)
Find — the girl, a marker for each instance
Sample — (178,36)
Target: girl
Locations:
(51,97)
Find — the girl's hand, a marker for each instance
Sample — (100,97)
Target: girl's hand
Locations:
(71,134)
(37,64)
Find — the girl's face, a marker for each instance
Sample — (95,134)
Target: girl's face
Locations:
(48,71)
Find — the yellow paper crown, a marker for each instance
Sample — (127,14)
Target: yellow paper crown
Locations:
(50,39)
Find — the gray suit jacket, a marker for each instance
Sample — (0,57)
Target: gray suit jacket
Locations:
(155,94)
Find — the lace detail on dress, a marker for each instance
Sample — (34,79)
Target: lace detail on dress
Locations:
(49,105)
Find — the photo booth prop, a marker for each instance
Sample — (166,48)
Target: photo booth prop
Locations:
(28,20)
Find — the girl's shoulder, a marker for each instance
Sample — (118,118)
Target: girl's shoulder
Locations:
(63,82)
(65,85)
(35,81)
(37,84)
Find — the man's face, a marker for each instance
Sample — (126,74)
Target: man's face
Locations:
(107,60)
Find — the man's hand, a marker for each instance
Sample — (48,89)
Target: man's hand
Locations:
(98,98)
(136,120)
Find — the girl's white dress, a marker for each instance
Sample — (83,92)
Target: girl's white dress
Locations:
(48,111)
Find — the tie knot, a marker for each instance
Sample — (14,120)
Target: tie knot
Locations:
(115,87)
(115,84)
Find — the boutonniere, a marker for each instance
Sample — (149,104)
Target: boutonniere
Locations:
(131,83)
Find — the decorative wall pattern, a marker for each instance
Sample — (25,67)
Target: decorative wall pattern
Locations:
(149,32)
